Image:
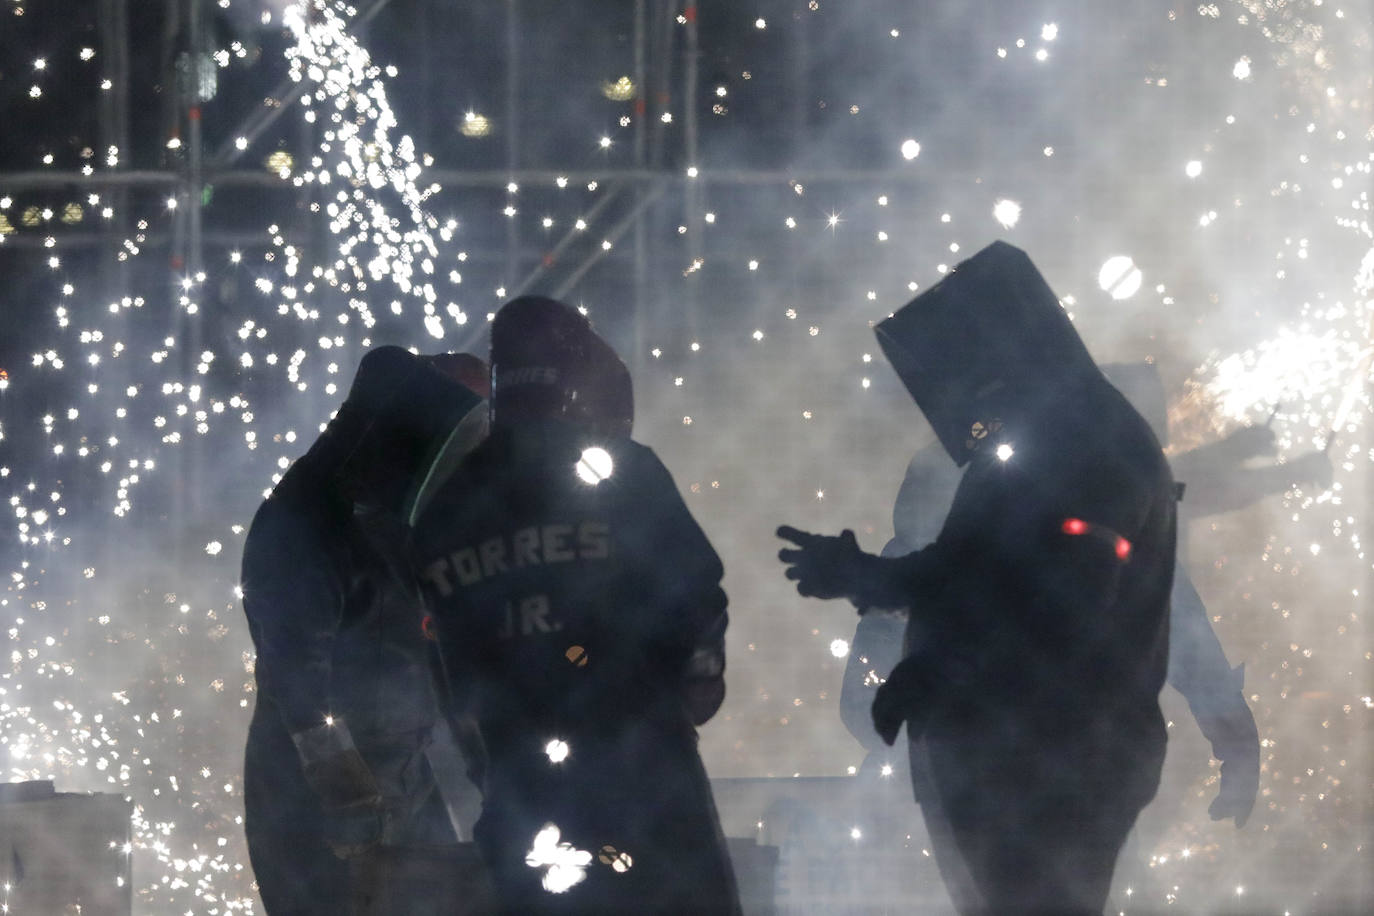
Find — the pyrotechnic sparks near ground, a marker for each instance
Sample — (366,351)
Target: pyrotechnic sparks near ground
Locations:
(156,411)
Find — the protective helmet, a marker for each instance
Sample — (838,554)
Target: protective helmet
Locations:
(547,362)
(987,344)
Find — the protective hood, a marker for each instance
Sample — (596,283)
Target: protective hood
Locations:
(399,408)
(988,344)
(548,363)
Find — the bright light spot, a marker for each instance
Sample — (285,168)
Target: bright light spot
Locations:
(886,770)
(1042,55)
(1241,70)
(1049,32)
(475,125)
(557,749)
(760,23)
(605,142)
(839,648)
(855,833)
(1004,452)
(594,466)
(566,866)
(1193,168)
(619,860)
(1006,212)
(910,149)
(1119,276)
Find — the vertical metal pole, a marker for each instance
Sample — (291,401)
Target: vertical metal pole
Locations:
(114,133)
(512,132)
(195,455)
(639,305)
(194,168)
(693,195)
(801,94)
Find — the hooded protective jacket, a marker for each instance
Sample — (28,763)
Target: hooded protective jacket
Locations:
(1042,605)
(346,694)
(578,605)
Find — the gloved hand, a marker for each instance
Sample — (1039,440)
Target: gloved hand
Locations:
(333,767)
(1228,723)
(1239,786)
(826,566)
(353,832)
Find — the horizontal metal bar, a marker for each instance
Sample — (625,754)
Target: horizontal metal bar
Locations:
(495,178)
(109,178)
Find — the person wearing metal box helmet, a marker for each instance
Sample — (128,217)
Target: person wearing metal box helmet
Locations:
(1197,668)
(579,605)
(1042,604)
(336,780)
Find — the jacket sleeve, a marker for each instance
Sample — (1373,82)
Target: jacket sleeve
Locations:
(293,595)
(1198,669)
(684,573)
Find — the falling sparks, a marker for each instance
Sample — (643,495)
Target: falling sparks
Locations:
(557,750)
(386,257)
(564,866)
(1006,212)
(1120,277)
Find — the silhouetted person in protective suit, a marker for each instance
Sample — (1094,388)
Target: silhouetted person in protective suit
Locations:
(1197,668)
(335,764)
(578,605)
(1039,634)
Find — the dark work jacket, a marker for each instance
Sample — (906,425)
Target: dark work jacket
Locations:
(581,612)
(336,626)
(1051,647)
(1197,666)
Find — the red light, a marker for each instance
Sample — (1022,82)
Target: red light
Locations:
(427,628)
(1075,526)
(1123,549)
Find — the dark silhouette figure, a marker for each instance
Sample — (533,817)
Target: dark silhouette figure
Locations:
(335,766)
(1039,633)
(1198,668)
(578,605)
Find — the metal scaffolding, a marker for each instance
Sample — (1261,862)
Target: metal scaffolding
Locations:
(629,198)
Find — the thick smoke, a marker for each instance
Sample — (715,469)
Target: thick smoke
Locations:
(1223,149)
